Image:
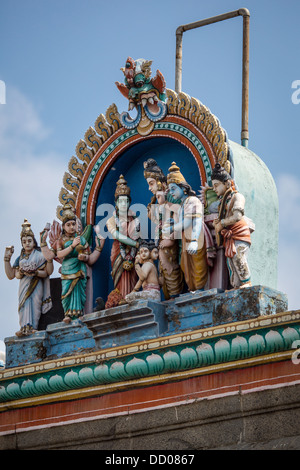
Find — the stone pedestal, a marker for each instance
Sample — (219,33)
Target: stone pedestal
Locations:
(201,309)
(25,349)
(192,310)
(127,323)
(69,338)
(58,340)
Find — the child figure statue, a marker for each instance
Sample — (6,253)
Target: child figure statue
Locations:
(147,273)
(232,228)
(33,271)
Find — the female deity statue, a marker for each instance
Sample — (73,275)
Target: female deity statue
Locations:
(33,271)
(124,227)
(158,210)
(188,225)
(232,228)
(73,251)
(147,273)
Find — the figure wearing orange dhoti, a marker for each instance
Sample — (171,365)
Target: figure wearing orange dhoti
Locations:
(232,229)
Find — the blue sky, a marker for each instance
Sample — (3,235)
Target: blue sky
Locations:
(59,60)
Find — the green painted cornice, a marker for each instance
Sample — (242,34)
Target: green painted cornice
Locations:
(166,358)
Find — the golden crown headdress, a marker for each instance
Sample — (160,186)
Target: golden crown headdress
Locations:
(175,176)
(68,213)
(26,230)
(122,189)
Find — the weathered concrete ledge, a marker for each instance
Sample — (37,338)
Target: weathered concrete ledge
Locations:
(144,320)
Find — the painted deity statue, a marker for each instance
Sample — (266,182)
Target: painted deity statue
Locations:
(145,93)
(124,227)
(33,271)
(147,273)
(232,229)
(158,210)
(72,250)
(187,225)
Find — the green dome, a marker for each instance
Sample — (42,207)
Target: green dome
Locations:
(256,183)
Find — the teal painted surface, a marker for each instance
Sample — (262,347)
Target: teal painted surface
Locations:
(256,183)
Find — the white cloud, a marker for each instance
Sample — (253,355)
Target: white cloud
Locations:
(20,126)
(30,180)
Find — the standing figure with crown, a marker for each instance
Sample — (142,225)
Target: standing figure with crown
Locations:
(70,247)
(124,227)
(158,210)
(188,225)
(232,227)
(33,271)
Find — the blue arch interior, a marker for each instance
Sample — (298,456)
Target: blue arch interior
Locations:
(130,164)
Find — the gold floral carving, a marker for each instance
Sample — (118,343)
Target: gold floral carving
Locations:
(83,152)
(70,183)
(103,128)
(113,117)
(172,101)
(77,169)
(191,108)
(184,104)
(92,139)
(67,198)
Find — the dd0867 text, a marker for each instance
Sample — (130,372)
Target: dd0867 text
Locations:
(162,459)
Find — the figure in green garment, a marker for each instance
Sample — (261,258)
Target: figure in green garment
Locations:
(73,251)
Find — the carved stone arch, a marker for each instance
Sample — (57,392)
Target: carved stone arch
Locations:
(187,122)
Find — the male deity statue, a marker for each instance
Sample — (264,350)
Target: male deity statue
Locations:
(188,225)
(232,229)
(158,210)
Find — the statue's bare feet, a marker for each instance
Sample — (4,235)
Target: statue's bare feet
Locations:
(247,284)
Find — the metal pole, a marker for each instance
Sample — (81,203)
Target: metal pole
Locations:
(245,83)
(178,71)
(245,79)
